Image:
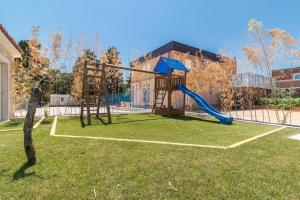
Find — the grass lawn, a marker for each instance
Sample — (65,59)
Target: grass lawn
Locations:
(187,129)
(69,168)
(14,124)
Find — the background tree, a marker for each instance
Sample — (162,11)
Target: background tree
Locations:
(268,47)
(91,59)
(61,82)
(114,76)
(32,67)
(214,78)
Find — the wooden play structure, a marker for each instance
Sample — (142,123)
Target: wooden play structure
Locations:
(164,87)
(165,84)
(94,88)
(169,77)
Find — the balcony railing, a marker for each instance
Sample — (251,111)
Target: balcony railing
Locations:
(252,80)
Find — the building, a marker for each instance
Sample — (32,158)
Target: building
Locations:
(9,51)
(288,78)
(142,85)
(60,100)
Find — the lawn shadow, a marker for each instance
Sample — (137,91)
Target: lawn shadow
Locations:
(21,172)
(122,119)
(3,171)
(102,120)
(46,122)
(135,120)
(191,118)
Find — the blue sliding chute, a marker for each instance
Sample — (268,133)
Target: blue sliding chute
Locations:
(205,106)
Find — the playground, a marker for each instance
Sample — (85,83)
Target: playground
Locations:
(113,149)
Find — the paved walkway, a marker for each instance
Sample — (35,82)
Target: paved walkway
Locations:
(269,116)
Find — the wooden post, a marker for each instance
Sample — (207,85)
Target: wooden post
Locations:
(106,94)
(184,96)
(87,96)
(84,79)
(155,94)
(100,87)
(169,91)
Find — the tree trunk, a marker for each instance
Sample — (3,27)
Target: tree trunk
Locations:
(36,95)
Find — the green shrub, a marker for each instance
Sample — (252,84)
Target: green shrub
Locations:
(281,103)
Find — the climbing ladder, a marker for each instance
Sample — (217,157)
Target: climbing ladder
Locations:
(94,87)
(159,99)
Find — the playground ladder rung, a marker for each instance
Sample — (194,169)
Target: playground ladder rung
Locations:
(94,76)
(91,110)
(93,97)
(99,114)
(92,90)
(91,104)
(94,69)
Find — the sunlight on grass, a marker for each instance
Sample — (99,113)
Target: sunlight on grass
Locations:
(14,124)
(186,129)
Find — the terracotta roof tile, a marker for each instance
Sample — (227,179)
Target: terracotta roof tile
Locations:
(10,38)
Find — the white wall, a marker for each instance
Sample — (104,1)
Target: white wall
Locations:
(4,92)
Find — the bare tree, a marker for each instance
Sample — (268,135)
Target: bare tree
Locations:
(33,67)
(35,98)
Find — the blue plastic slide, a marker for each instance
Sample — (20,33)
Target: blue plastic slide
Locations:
(205,106)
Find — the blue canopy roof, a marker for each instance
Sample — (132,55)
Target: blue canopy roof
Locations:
(168,65)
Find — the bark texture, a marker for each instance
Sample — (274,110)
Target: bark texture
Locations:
(35,98)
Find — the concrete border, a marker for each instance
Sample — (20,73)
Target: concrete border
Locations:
(54,125)
(36,125)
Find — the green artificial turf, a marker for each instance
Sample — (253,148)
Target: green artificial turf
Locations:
(187,129)
(71,168)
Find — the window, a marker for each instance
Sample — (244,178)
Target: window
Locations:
(296,76)
(146,95)
(133,98)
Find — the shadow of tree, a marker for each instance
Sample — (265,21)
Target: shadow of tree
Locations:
(135,120)
(122,119)
(102,120)
(20,173)
(3,171)
(46,122)
(190,118)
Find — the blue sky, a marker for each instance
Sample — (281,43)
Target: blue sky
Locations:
(139,26)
